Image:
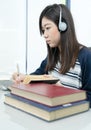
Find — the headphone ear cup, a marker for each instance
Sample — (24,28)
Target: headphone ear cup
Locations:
(62,26)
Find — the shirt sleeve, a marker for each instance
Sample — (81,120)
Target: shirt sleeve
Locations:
(41,69)
(85,61)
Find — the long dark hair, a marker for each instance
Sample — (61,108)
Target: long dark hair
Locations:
(69,45)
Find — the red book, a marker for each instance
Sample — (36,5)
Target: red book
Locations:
(48,94)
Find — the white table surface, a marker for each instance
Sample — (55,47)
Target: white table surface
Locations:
(13,119)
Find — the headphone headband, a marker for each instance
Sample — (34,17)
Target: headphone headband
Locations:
(62,25)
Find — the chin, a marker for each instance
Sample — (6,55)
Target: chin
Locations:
(51,46)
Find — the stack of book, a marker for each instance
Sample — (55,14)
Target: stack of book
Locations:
(47,101)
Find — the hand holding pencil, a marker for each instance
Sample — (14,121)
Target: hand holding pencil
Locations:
(17,76)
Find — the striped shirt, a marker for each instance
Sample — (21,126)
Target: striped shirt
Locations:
(72,78)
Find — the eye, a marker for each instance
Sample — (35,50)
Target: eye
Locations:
(47,28)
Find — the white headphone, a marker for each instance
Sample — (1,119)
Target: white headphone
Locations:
(62,25)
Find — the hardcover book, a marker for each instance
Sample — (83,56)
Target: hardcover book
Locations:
(44,112)
(40,78)
(48,94)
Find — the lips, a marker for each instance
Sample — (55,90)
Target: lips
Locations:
(48,41)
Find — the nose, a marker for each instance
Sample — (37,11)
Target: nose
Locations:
(45,35)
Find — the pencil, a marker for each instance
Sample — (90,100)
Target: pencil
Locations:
(18,71)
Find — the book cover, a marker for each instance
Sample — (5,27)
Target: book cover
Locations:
(45,112)
(40,78)
(48,94)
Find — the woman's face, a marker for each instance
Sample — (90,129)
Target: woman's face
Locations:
(50,32)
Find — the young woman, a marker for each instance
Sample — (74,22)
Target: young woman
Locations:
(67,59)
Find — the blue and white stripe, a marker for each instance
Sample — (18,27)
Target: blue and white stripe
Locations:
(72,78)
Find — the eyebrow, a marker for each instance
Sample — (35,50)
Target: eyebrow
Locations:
(46,24)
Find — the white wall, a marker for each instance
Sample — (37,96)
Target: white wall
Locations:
(81,11)
(12,35)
